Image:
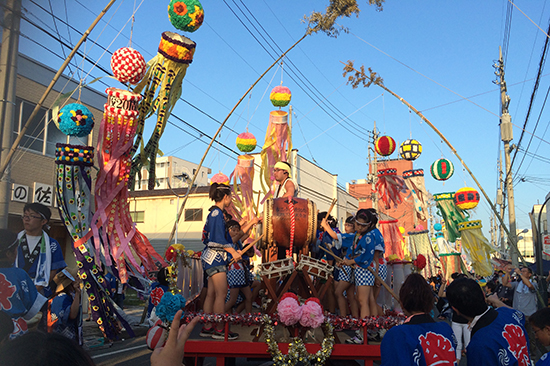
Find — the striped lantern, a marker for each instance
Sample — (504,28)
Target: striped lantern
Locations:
(384,145)
(280,96)
(156,336)
(442,169)
(466,198)
(220,178)
(410,149)
(246,142)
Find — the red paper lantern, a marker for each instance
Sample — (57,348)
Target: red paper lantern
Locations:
(466,198)
(384,145)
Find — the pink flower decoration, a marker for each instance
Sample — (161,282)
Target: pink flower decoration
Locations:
(289,310)
(312,313)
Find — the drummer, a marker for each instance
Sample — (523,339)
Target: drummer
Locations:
(284,185)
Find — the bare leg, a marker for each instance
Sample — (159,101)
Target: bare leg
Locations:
(219,288)
(233,295)
(340,298)
(331,299)
(363,296)
(353,303)
(209,300)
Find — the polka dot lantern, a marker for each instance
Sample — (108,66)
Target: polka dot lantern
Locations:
(442,169)
(410,149)
(220,178)
(384,145)
(280,96)
(466,198)
(128,65)
(246,142)
(186,15)
(75,120)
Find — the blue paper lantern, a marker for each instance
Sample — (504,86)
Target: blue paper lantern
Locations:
(75,120)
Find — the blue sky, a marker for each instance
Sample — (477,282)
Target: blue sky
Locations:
(437,55)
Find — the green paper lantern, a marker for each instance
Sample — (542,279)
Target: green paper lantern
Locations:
(442,169)
(186,15)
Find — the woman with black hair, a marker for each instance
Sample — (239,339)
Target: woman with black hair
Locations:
(420,340)
(214,258)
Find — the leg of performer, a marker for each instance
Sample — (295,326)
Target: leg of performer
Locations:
(339,292)
(353,303)
(363,296)
(233,295)
(247,292)
(219,288)
(209,302)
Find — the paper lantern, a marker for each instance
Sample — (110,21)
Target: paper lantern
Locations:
(410,149)
(442,169)
(75,120)
(246,142)
(384,145)
(186,15)
(128,65)
(156,336)
(466,198)
(280,96)
(220,178)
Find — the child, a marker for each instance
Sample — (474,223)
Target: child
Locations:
(362,254)
(19,297)
(343,280)
(63,314)
(214,258)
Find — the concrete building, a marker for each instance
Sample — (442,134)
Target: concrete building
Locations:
(174,172)
(33,174)
(363,191)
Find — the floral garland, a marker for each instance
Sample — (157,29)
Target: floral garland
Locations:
(297,351)
(373,322)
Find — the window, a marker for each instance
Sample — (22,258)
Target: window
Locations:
(34,136)
(138,216)
(193,214)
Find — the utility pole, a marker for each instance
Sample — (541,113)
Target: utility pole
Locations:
(373,177)
(8,78)
(507,135)
(500,202)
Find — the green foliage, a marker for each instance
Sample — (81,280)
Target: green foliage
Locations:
(337,8)
(359,77)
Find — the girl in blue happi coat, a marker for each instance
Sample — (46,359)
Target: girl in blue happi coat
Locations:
(343,277)
(214,258)
(360,259)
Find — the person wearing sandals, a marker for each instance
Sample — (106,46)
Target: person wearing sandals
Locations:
(214,259)
(362,254)
(420,340)
(343,279)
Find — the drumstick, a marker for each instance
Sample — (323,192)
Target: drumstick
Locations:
(331,207)
(383,283)
(338,259)
(248,247)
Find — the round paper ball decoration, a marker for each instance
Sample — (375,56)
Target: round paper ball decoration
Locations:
(75,120)
(128,65)
(186,15)
(442,169)
(220,178)
(466,198)
(246,142)
(384,145)
(156,336)
(280,96)
(410,149)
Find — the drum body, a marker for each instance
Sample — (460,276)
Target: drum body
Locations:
(315,267)
(277,220)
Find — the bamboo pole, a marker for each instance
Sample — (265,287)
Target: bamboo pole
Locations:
(50,87)
(248,247)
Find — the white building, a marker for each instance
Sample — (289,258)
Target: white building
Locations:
(175,173)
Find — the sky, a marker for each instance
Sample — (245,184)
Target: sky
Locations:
(436,55)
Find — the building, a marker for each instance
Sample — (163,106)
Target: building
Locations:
(33,173)
(539,214)
(526,244)
(175,173)
(362,189)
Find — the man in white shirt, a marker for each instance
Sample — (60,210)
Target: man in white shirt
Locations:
(284,185)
